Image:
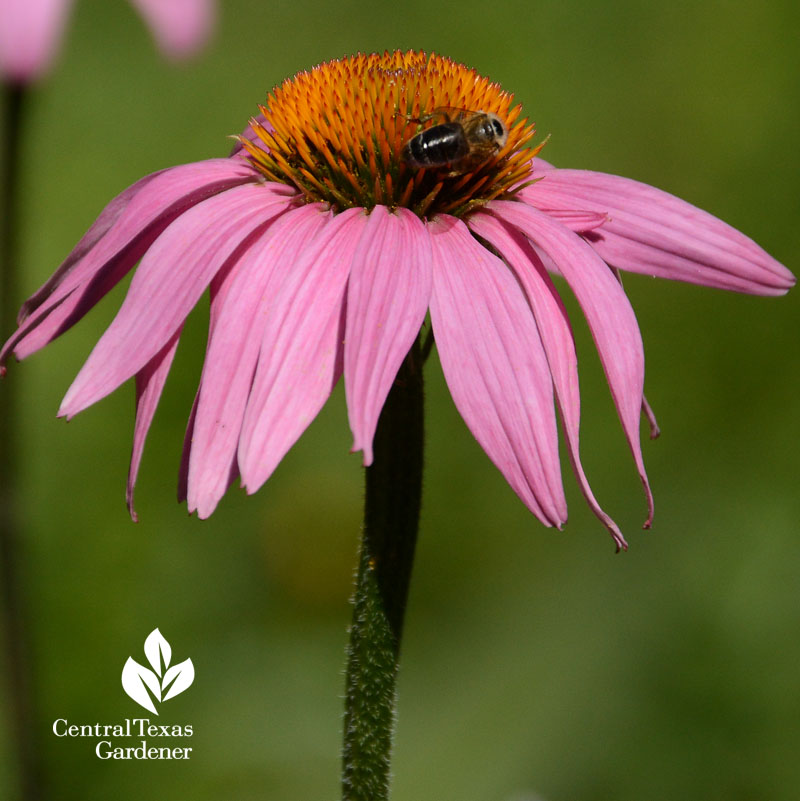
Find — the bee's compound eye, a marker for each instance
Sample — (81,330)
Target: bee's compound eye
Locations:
(497,127)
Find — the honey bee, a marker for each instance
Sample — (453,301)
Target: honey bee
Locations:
(462,143)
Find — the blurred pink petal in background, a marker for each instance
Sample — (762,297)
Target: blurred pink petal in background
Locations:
(31,31)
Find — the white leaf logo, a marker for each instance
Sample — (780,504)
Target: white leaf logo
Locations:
(157,648)
(135,681)
(162,682)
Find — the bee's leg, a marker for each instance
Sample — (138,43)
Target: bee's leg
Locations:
(423,118)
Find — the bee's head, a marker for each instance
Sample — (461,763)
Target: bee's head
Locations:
(498,129)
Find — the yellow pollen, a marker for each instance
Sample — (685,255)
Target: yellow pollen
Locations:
(337,133)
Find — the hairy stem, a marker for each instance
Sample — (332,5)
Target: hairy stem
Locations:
(391,519)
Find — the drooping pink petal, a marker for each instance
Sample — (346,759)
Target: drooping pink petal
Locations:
(539,166)
(608,313)
(140,208)
(650,416)
(180,27)
(172,276)
(556,335)
(217,290)
(647,410)
(495,366)
(98,229)
(578,221)
(251,136)
(299,362)
(113,245)
(241,307)
(150,382)
(30,34)
(387,299)
(655,233)
(183,470)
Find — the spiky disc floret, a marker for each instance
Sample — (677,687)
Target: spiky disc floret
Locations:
(337,133)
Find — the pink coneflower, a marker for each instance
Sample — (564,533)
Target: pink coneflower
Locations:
(324,248)
(31,31)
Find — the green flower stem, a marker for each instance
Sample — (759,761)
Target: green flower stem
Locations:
(391,519)
(21,726)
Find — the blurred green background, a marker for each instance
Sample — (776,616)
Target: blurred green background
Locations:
(535,663)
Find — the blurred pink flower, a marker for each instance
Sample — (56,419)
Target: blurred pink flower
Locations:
(31,31)
(302,292)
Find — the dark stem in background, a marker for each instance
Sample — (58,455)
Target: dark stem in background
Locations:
(21,715)
(391,519)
